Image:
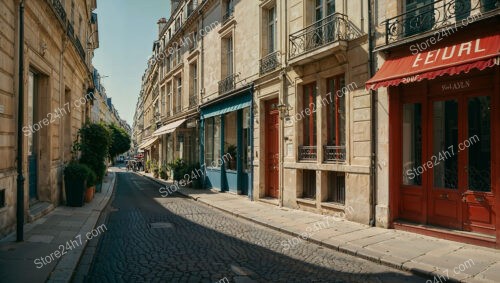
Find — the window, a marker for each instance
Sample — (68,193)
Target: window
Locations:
(163,102)
(179,94)
(309,113)
(335,101)
(309,184)
(247,151)
(323,8)
(229,56)
(419,17)
(271,29)
(212,141)
(2,198)
(412,143)
(178,55)
(230,140)
(336,187)
(194,82)
(229,9)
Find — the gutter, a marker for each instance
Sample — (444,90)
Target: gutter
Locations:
(373,97)
(20,121)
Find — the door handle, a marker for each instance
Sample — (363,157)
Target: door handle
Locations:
(443,196)
(480,199)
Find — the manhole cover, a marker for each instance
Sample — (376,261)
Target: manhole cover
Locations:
(161,225)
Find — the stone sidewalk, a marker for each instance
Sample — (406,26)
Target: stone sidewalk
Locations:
(46,235)
(447,261)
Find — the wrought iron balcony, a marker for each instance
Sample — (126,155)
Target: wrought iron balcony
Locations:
(227,84)
(334,153)
(79,47)
(71,30)
(308,153)
(58,9)
(269,63)
(436,15)
(229,14)
(330,29)
(193,101)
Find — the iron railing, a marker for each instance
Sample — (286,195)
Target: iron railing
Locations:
(330,29)
(308,152)
(435,15)
(79,47)
(269,63)
(228,15)
(227,84)
(334,153)
(59,9)
(193,101)
(71,30)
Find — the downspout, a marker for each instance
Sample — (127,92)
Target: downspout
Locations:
(20,121)
(250,190)
(373,96)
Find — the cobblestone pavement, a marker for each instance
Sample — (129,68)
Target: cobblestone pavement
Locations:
(181,240)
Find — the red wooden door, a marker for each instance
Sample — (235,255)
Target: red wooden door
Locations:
(272,149)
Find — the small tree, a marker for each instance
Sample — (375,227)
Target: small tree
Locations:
(95,140)
(120,141)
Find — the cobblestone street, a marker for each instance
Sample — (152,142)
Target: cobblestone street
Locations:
(181,240)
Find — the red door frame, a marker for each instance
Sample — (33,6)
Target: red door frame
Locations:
(395,139)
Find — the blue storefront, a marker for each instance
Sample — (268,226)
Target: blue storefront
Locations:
(226,135)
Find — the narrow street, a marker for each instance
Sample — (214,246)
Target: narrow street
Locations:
(175,239)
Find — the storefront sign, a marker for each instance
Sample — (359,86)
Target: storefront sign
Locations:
(456,85)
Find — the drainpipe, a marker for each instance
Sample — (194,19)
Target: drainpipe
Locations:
(20,116)
(373,96)
(250,190)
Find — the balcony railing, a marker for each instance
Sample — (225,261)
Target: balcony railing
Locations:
(269,63)
(79,47)
(59,9)
(227,84)
(228,15)
(333,28)
(308,152)
(71,30)
(434,16)
(334,153)
(193,101)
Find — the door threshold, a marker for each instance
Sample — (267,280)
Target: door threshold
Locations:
(448,234)
(269,200)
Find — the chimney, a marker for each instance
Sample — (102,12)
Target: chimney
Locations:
(161,24)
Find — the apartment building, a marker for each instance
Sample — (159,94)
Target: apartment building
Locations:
(437,86)
(59,39)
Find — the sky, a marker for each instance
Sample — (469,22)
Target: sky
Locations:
(127,30)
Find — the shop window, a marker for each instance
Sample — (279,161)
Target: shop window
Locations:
(309,184)
(336,187)
(247,151)
(212,142)
(230,140)
(2,198)
(412,143)
(445,136)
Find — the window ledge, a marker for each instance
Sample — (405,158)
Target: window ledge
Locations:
(308,201)
(333,205)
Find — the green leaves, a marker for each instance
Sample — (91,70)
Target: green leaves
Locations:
(120,141)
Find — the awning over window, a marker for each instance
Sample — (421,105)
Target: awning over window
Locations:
(478,53)
(147,143)
(226,106)
(169,128)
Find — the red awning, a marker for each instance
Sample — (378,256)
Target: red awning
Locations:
(479,53)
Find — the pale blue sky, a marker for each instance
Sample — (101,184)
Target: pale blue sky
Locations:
(127,29)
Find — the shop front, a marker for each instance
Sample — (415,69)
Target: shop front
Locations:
(225,148)
(444,123)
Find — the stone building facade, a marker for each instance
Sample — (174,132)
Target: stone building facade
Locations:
(58,44)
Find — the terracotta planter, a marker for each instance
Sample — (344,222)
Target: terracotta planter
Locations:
(89,194)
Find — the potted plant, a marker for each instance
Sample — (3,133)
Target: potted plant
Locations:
(179,168)
(156,171)
(148,165)
(75,183)
(163,172)
(95,140)
(91,182)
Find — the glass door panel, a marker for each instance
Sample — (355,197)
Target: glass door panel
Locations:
(444,144)
(478,144)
